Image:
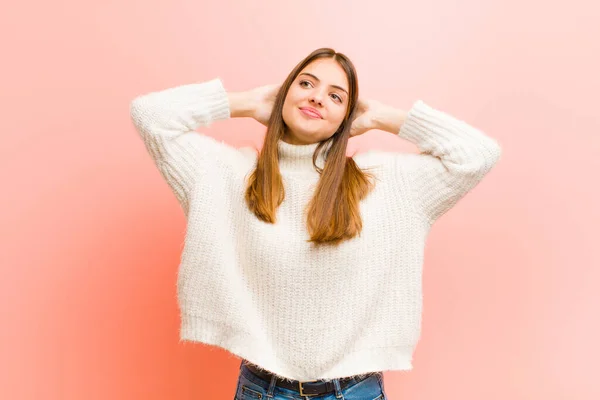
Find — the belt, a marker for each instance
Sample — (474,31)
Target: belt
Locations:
(308,388)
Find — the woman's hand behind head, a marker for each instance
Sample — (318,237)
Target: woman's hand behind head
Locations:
(264,97)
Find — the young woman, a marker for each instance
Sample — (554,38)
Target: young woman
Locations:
(302,261)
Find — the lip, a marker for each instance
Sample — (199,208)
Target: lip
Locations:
(311,112)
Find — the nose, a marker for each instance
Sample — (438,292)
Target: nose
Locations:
(316,97)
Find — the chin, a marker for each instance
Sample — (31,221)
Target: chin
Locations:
(304,137)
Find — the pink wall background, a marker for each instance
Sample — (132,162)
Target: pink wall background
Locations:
(91,235)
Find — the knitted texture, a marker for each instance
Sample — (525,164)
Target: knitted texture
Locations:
(264,293)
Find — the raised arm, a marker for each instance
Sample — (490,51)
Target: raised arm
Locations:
(166,121)
(454,156)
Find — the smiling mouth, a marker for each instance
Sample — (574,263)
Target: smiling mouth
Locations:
(310,113)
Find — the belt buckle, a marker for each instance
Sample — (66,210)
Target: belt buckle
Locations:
(302,389)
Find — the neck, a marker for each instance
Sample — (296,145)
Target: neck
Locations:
(298,158)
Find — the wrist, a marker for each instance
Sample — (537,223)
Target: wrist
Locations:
(240,104)
(389,119)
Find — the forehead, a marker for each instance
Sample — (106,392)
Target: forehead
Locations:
(328,71)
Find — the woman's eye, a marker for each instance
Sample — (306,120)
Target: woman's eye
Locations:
(304,83)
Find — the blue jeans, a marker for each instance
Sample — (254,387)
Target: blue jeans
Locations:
(251,387)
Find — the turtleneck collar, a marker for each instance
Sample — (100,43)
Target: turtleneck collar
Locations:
(295,158)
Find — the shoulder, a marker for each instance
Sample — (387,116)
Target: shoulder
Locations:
(243,158)
(418,163)
(248,153)
(221,154)
(398,163)
(372,158)
(382,161)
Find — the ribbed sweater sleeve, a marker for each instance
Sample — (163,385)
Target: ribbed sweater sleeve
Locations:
(166,121)
(453,159)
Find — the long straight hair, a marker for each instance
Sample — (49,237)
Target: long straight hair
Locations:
(333,214)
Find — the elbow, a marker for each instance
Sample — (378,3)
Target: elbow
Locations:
(489,155)
(140,112)
(135,108)
(481,153)
(482,158)
(493,151)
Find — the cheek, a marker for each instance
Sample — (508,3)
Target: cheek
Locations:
(292,96)
(288,104)
(338,117)
(286,112)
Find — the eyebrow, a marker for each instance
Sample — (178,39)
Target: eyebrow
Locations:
(318,80)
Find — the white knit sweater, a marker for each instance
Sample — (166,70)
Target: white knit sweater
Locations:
(265,294)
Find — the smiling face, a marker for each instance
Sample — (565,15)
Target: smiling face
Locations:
(316,102)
